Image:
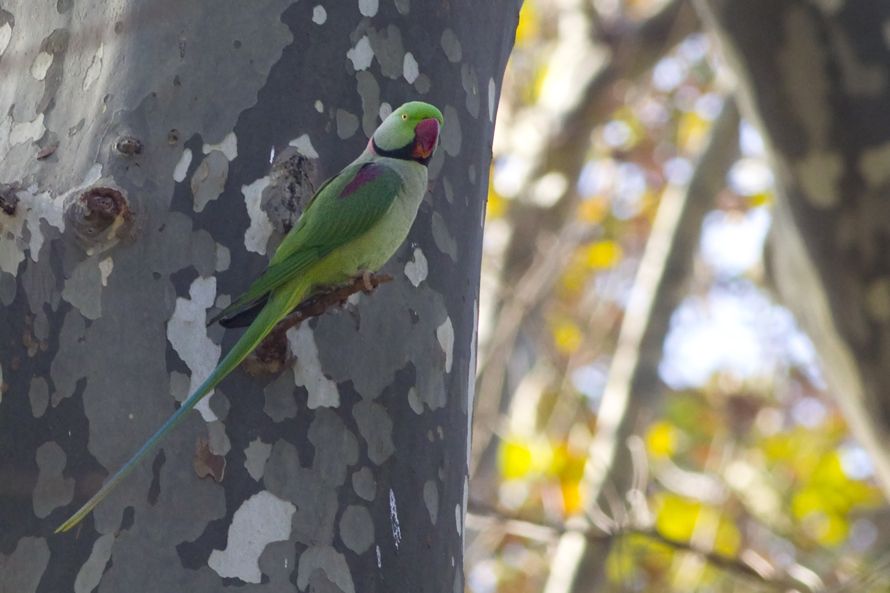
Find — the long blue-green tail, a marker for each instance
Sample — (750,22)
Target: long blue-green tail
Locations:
(271,314)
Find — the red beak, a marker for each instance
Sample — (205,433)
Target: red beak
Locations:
(426,135)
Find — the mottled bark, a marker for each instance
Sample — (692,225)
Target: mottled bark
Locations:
(815,76)
(136,197)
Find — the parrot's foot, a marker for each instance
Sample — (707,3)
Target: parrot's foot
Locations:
(366,281)
(273,354)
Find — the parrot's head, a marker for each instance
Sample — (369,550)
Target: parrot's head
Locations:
(411,132)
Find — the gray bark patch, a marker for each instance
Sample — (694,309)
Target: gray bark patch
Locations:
(375,426)
(52,490)
(431,500)
(20,572)
(364,484)
(357,529)
(38,394)
(256,455)
(91,572)
(280,403)
(329,561)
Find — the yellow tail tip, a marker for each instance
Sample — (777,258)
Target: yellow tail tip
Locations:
(72,522)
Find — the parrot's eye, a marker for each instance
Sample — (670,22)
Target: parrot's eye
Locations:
(404,117)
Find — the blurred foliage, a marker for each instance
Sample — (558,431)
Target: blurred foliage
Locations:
(752,458)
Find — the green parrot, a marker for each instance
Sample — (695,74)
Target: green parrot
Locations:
(352,226)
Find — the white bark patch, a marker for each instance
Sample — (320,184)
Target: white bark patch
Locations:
(262,519)
(182,167)
(394,520)
(819,174)
(228,146)
(328,560)
(105,268)
(323,392)
(873,165)
(40,65)
(5,36)
(94,69)
(209,179)
(27,131)
(445,335)
(40,206)
(92,570)
(368,7)
(417,269)
(303,144)
(492,96)
(361,55)
(319,15)
(257,235)
(458,515)
(32,208)
(410,68)
(187,333)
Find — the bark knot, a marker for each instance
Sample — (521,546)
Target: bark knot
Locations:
(8,198)
(100,217)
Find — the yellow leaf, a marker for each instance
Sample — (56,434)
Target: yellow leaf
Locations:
(593,210)
(676,516)
(527,27)
(603,254)
(571,497)
(763,198)
(829,529)
(728,539)
(522,458)
(661,439)
(691,131)
(806,502)
(567,337)
(573,282)
(496,207)
(515,460)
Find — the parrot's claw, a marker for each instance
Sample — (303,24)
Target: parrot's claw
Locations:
(366,281)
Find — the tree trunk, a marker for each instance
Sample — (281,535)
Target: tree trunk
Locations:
(814,76)
(137,197)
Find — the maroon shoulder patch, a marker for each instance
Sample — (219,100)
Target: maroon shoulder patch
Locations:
(368,172)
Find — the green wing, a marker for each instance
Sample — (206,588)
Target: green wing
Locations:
(345,207)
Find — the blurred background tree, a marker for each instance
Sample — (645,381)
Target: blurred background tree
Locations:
(660,405)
